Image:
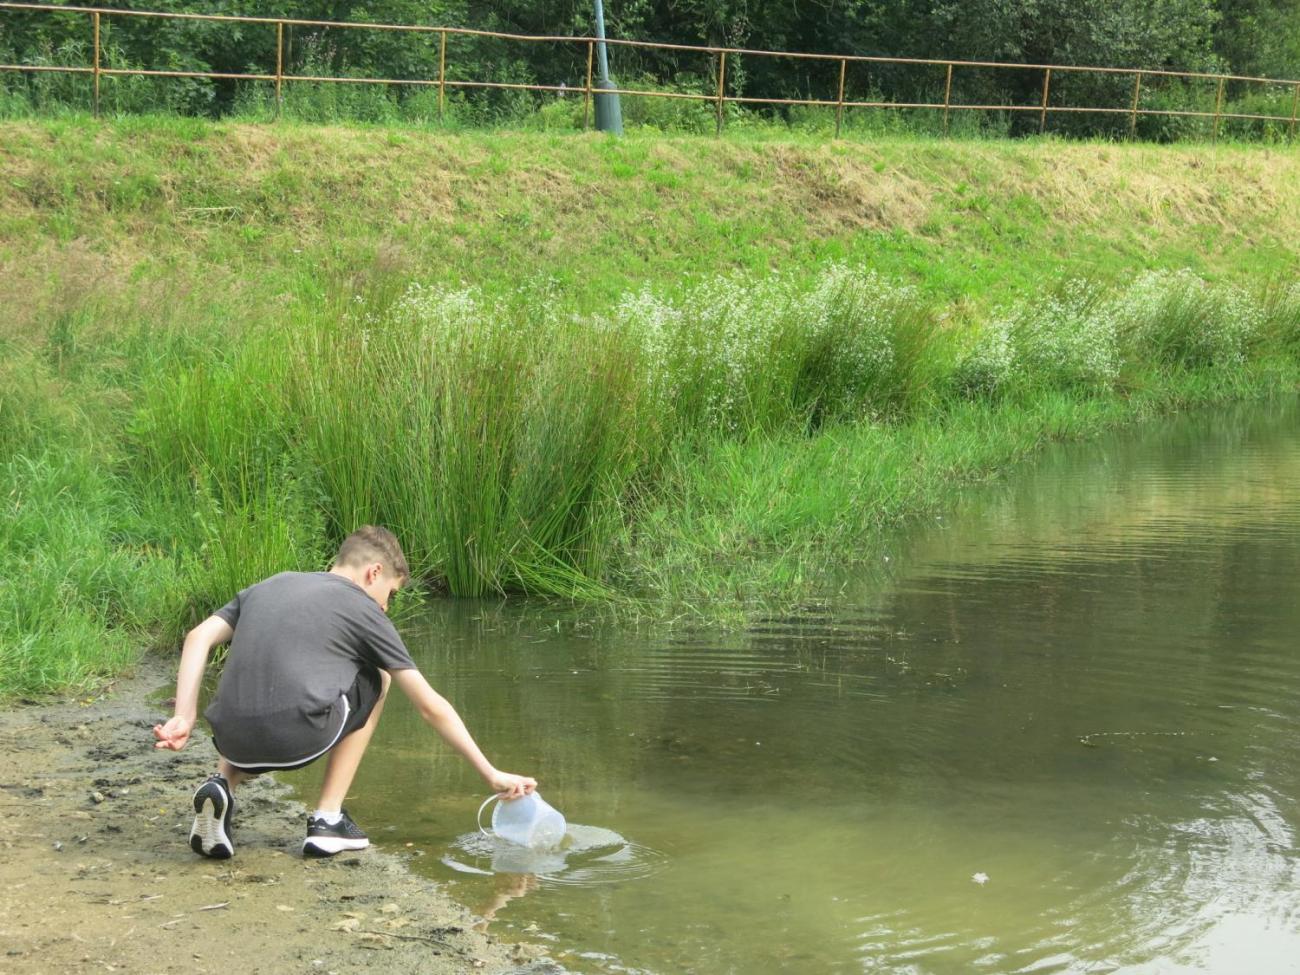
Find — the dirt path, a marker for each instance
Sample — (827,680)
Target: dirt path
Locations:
(96,874)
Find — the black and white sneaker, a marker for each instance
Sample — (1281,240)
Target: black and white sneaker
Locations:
(213,807)
(325,839)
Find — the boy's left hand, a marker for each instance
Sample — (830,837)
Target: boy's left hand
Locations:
(174,734)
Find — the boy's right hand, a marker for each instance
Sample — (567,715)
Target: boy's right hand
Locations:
(174,734)
(510,786)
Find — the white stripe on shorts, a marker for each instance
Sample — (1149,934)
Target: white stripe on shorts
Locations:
(310,758)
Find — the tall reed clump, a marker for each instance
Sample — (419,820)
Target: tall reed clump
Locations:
(1280,328)
(517,446)
(497,437)
(1067,339)
(214,456)
(738,355)
(1084,338)
(1175,319)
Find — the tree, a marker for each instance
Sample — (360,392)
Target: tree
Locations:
(1260,37)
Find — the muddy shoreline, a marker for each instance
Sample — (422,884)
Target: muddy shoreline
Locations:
(96,874)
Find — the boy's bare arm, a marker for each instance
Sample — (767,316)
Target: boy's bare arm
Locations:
(194,660)
(438,713)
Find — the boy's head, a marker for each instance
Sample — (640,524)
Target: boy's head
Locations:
(373,558)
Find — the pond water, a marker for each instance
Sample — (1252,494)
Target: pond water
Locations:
(1057,730)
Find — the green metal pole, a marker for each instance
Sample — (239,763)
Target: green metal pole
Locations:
(96,20)
(722,85)
(609,113)
(1133,117)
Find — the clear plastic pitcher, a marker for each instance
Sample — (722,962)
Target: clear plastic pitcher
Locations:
(528,821)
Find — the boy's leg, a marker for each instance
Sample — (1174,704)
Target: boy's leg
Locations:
(234,776)
(345,758)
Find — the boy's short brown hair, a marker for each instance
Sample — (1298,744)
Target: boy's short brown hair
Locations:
(371,543)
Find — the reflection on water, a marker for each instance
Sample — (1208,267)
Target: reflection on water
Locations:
(1080,689)
(506,887)
(588,857)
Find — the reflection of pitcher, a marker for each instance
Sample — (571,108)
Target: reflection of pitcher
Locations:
(508,887)
(519,859)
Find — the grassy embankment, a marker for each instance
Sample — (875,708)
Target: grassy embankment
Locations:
(685,370)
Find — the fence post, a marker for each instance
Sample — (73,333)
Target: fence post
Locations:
(1218,108)
(839,109)
(722,77)
(586,108)
(95,15)
(1133,116)
(442,72)
(279,66)
(1295,103)
(947,98)
(1047,87)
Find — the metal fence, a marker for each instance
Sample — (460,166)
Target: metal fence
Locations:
(717,96)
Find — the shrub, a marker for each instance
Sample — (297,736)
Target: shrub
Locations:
(986,362)
(1067,339)
(1177,319)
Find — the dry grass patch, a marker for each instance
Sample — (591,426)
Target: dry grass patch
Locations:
(49,281)
(839,192)
(1166,187)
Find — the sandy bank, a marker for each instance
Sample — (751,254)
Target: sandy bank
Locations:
(96,875)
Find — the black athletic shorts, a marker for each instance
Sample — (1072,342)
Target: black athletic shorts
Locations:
(362,697)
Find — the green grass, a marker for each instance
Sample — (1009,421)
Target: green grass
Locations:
(767,522)
(669,375)
(519,446)
(85,588)
(246,213)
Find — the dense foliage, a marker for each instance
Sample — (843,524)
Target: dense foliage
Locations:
(1259,37)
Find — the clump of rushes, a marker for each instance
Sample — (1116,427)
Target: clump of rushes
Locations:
(1067,340)
(507,440)
(517,446)
(1176,319)
(738,355)
(215,450)
(497,437)
(1279,330)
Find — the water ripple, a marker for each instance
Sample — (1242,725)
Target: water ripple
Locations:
(589,856)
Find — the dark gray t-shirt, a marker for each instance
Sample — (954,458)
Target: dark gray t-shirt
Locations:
(300,640)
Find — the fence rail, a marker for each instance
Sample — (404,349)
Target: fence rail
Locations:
(718,97)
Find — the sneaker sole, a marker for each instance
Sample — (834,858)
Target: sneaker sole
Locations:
(209,836)
(327,846)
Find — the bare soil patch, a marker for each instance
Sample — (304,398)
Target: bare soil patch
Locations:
(98,876)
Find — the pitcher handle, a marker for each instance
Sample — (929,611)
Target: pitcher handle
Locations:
(479,817)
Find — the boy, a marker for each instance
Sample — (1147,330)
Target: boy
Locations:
(311,659)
